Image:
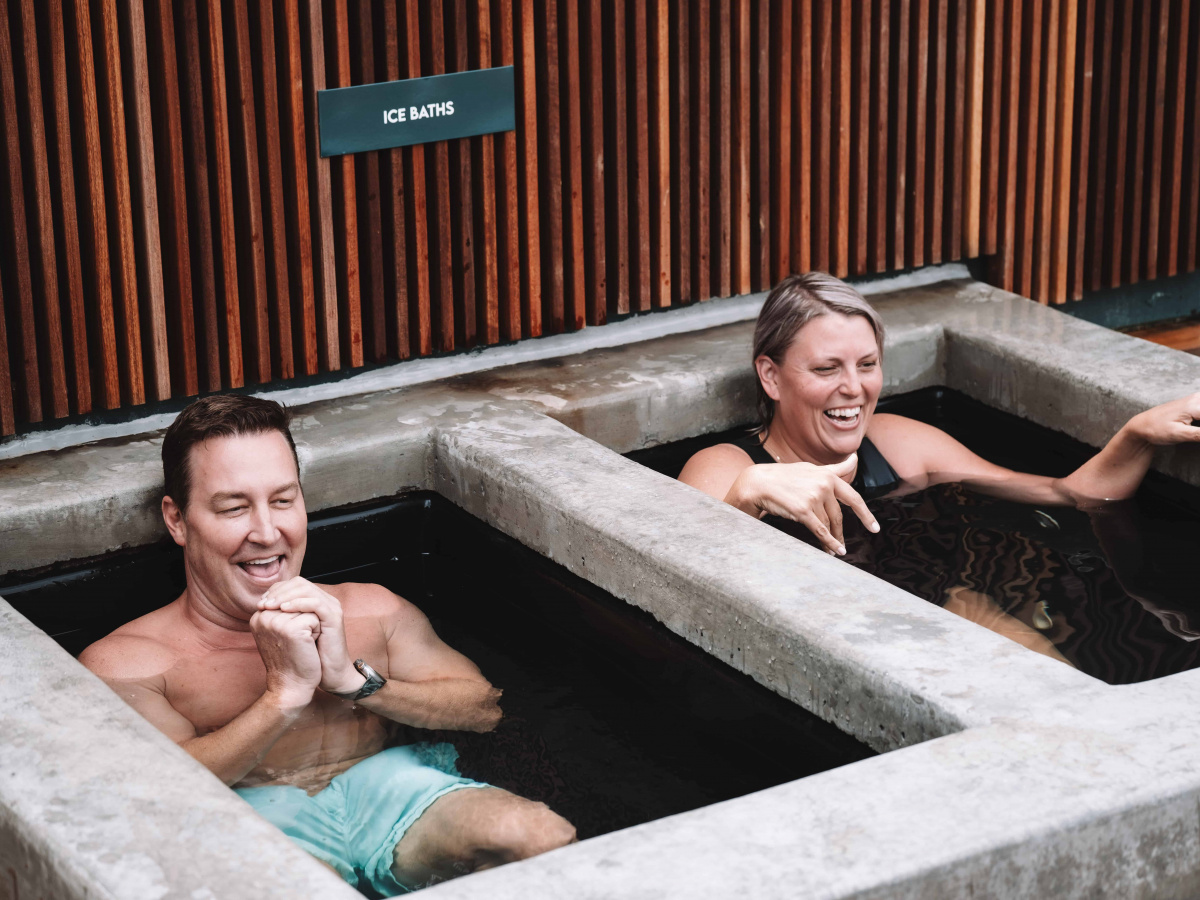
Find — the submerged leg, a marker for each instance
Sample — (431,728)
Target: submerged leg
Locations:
(473,829)
(982,610)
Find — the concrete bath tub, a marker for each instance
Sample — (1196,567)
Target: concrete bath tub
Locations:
(1010,774)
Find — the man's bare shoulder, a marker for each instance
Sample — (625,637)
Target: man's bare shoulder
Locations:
(137,650)
(376,602)
(121,657)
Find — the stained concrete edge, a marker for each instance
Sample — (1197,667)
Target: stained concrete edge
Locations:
(1004,811)
(102,804)
(827,636)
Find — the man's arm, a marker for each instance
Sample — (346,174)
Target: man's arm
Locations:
(430,685)
(135,669)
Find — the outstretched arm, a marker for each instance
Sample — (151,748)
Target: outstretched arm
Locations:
(923,455)
(429,684)
(1116,471)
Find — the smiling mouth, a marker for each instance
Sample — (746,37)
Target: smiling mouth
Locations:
(263,568)
(844,416)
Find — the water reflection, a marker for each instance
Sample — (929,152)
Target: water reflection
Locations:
(1105,588)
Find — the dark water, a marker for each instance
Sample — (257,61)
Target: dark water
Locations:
(1115,587)
(610,719)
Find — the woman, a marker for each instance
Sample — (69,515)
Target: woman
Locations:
(818,350)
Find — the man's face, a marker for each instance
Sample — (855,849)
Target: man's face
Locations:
(245,527)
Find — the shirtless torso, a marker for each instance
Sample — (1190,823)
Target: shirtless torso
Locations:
(248,669)
(163,658)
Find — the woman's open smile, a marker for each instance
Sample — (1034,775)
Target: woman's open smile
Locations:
(826,389)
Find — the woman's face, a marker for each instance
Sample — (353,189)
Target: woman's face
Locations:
(826,388)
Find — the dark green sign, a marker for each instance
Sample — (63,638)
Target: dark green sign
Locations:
(416,111)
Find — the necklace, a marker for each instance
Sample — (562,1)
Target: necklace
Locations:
(774,455)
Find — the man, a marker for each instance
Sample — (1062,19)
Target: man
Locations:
(282,687)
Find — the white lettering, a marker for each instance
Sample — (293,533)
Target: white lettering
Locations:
(413,113)
(449,107)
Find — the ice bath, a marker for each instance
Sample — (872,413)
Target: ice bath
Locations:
(881,665)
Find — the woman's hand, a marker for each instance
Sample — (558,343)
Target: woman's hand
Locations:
(808,494)
(1170,423)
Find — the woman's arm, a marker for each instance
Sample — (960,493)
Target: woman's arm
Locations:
(924,455)
(1116,471)
(804,493)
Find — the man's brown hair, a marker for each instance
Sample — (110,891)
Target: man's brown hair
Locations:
(220,415)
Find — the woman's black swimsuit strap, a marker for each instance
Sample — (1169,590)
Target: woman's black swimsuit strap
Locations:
(875,476)
(752,445)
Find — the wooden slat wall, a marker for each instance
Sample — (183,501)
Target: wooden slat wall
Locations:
(167,225)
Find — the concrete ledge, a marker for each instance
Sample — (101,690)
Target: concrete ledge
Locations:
(829,637)
(996,812)
(96,802)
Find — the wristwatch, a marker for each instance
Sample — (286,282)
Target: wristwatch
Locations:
(373,683)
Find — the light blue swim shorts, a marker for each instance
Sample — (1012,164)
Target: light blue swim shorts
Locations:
(355,823)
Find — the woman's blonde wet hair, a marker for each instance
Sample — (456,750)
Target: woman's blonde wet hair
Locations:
(795,302)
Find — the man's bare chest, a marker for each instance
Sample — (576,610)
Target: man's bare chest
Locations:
(212,688)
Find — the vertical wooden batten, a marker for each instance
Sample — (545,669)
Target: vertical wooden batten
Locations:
(144,196)
(120,212)
(484,158)
(527,156)
(739,250)
(244,134)
(54,375)
(550,152)
(169,227)
(172,187)
(28,375)
(303,268)
(416,209)
(275,219)
(392,187)
(319,191)
(462,220)
(571,85)
(1063,146)
(369,199)
(225,245)
(76,333)
(344,206)
(508,213)
(661,198)
(700,70)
